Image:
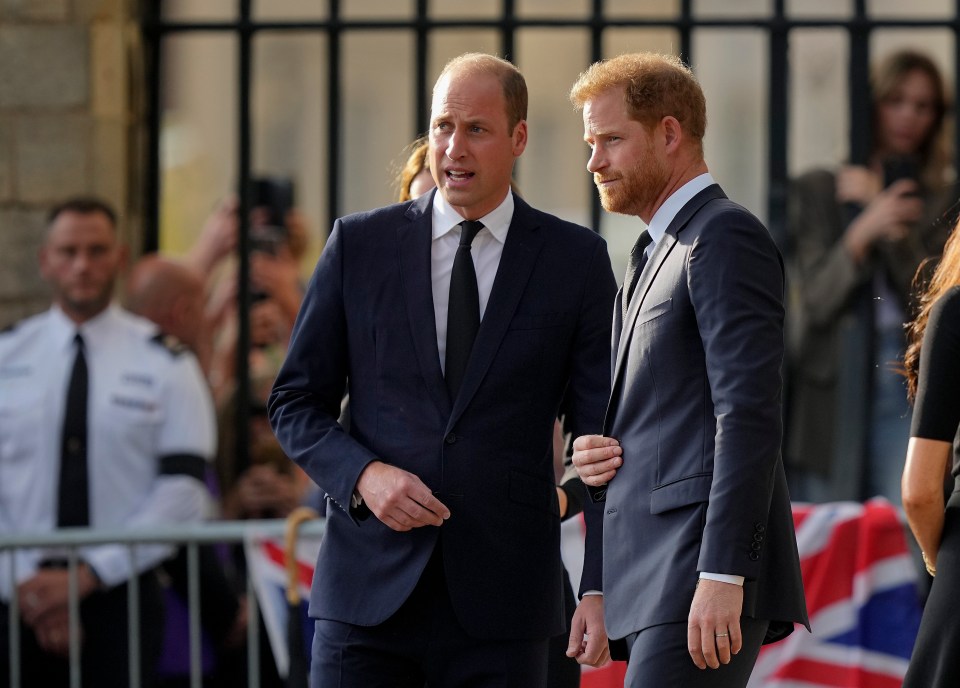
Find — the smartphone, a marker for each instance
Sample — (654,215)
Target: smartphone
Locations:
(271,198)
(899,167)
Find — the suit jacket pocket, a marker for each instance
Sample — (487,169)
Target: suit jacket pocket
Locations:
(648,314)
(535,492)
(690,490)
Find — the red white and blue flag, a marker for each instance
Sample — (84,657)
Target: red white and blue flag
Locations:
(265,563)
(860,583)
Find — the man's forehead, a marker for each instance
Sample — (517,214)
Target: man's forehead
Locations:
(72,225)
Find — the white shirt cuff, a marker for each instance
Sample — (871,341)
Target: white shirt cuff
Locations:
(588,593)
(723,578)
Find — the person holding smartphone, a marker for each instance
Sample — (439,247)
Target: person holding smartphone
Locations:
(856,237)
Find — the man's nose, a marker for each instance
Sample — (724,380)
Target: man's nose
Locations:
(596,161)
(456,145)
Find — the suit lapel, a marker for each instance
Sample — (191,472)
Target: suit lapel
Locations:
(414,240)
(520,251)
(660,253)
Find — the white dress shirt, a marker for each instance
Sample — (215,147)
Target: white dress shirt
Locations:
(486,250)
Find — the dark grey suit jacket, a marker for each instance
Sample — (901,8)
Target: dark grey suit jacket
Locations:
(367,321)
(695,405)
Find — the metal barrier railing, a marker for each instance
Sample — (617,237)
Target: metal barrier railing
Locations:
(190,536)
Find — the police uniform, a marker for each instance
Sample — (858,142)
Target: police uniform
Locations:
(150,435)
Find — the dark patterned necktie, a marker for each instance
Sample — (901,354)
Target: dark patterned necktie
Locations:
(73,504)
(463,309)
(635,265)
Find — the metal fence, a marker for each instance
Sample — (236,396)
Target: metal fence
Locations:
(191,537)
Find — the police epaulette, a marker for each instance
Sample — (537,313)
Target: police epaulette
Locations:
(170,343)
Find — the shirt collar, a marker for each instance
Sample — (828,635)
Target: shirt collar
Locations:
(94,331)
(497,221)
(679,198)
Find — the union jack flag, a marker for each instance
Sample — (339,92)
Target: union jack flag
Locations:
(860,583)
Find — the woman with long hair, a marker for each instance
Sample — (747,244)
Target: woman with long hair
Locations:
(932,365)
(856,237)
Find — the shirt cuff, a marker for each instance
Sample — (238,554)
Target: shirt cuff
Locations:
(355,500)
(589,593)
(723,578)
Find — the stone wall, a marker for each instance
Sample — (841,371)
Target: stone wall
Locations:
(68,125)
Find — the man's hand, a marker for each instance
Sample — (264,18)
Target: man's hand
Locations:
(588,637)
(597,459)
(713,627)
(398,498)
(53,632)
(47,592)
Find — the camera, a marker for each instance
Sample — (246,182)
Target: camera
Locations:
(271,198)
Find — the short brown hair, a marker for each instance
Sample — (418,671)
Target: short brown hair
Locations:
(83,205)
(655,86)
(511,80)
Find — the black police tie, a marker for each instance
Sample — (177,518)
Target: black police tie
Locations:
(635,265)
(463,309)
(73,494)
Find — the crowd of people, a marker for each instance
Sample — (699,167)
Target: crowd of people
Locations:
(445,390)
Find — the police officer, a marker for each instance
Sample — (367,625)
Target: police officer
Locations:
(104,422)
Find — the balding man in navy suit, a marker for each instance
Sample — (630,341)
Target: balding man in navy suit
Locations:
(440,563)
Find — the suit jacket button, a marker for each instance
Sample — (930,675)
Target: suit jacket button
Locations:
(754,556)
(758,537)
(760,527)
(450,439)
(755,546)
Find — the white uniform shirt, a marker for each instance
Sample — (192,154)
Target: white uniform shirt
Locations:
(146,401)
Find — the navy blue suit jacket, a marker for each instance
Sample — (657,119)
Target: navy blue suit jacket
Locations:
(695,405)
(367,324)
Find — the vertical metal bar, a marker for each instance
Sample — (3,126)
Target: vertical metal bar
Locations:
(153,56)
(73,612)
(193,604)
(596,54)
(778,117)
(333,120)
(253,635)
(955,25)
(133,619)
(242,401)
(861,118)
(421,57)
(13,623)
(508,31)
(686,31)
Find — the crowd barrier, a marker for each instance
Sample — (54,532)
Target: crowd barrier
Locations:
(191,537)
(859,578)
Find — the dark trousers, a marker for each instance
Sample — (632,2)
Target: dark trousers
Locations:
(423,643)
(104,649)
(659,657)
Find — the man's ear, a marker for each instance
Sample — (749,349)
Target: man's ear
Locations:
(672,133)
(519,138)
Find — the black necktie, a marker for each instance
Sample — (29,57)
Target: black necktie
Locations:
(73,492)
(635,264)
(463,309)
